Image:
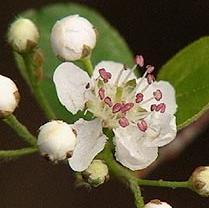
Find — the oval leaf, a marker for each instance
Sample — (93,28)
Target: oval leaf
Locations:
(188,72)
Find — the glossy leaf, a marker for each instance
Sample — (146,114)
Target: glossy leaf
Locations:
(188,72)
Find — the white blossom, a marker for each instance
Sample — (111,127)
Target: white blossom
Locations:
(23,35)
(9,96)
(73,38)
(200,180)
(140,111)
(157,204)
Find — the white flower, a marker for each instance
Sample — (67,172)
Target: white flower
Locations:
(23,35)
(140,111)
(9,96)
(96,173)
(73,38)
(56,140)
(200,180)
(157,204)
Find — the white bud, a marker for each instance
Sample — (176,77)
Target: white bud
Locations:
(97,173)
(23,35)
(73,38)
(200,180)
(9,96)
(56,140)
(157,204)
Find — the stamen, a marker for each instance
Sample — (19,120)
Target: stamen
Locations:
(150,78)
(101,93)
(105,75)
(153,107)
(123,122)
(139,60)
(161,107)
(157,95)
(126,107)
(120,74)
(139,97)
(116,108)
(130,72)
(142,125)
(108,101)
(150,69)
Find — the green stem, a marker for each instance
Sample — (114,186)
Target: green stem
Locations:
(88,65)
(41,99)
(7,154)
(20,129)
(123,174)
(134,187)
(168,184)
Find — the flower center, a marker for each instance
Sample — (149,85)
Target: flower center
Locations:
(121,103)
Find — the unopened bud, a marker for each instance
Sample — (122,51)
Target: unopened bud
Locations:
(97,173)
(56,140)
(200,180)
(23,35)
(156,203)
(73,38)
(9,96)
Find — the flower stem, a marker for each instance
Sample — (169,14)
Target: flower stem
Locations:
(7,154)
(88,65)
(134,187)
(123,174)
(30,67)
(20,129)
(168,184)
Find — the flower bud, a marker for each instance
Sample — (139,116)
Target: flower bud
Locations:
(56,140)
(97,173)
(9,96)
(200,180)
(156,203)
(23,35)
(73,38)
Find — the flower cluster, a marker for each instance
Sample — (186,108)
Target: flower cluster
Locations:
(140,111)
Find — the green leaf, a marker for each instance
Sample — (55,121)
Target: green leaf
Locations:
(110,46)
(188,72)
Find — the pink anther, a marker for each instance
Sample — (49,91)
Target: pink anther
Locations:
(161,107)
(105,75)
(150,78)
(139,60)
(157,95)
(139,97)
(126,107)
(101,93)
(108,101)
(153,107)
(116,107)
(150,69)
(142,125)
(123,122)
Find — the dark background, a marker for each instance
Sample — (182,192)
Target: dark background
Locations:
(155,28)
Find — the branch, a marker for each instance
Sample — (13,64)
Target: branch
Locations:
(8,154)
(20,129)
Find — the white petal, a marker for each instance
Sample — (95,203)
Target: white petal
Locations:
(70,82)
(161,129)
(130,150)
(114,68)
(90,141)
(168,95)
